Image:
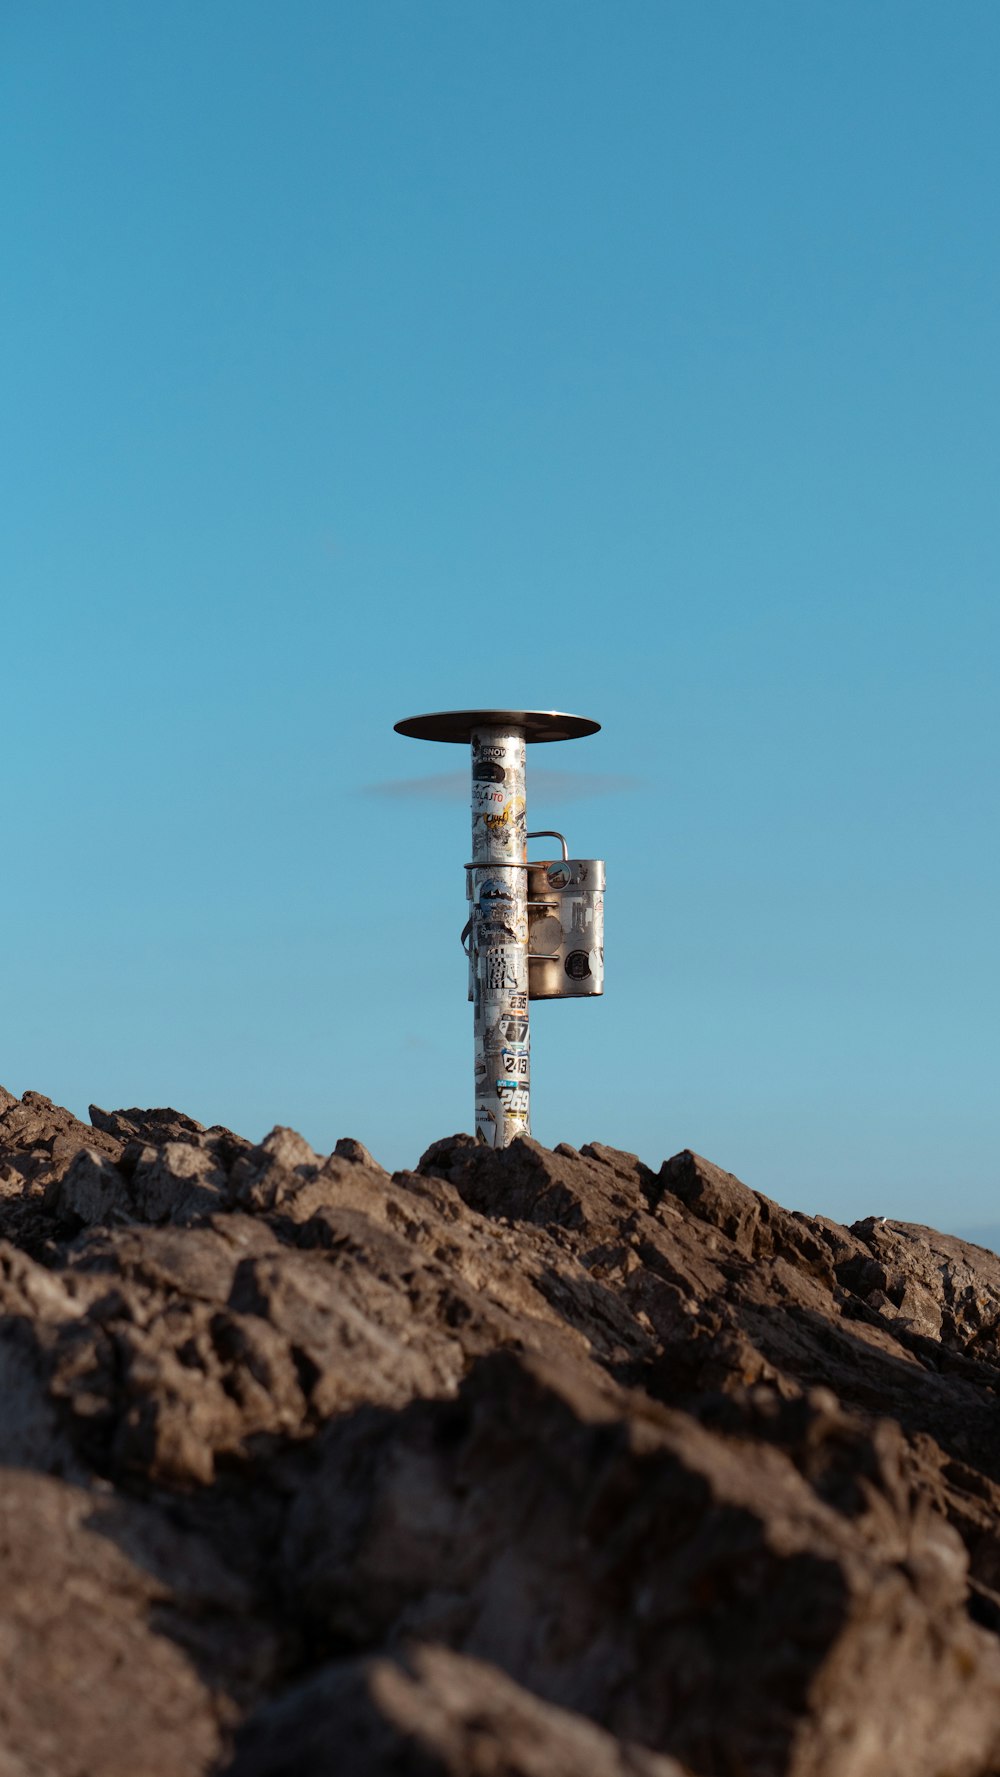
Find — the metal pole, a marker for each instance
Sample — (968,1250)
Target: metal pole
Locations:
(499,937)
(497,886)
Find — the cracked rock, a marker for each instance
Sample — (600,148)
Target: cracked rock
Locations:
(542,1462)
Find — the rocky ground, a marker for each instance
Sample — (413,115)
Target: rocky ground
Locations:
(530,1464)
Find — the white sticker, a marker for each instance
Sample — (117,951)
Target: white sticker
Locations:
(513,1096)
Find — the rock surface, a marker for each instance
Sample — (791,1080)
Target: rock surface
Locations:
(524,1464)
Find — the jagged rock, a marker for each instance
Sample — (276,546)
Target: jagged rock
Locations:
(128,1646)
(276,1171)
(534,1461)
(177,1182)
(38,1142)
(637,1567)
(349,1149)
(534,1184)
(429,1713)
(161,1125)
(91,1190)
(41,1138)
(164,1377)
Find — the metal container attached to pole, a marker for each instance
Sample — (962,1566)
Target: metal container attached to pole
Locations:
(535,930)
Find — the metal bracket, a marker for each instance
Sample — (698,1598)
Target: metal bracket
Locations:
(545,833)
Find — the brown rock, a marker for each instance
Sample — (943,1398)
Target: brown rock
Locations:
(127,1646)
(688,1590)
(92,1189)
(531,1461)
(429,1713)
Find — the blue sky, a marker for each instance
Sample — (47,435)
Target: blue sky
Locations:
(637,360)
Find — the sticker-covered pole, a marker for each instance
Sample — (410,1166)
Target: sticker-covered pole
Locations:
(571,963)
(499,935)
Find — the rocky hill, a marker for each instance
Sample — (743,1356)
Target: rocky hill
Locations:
(524,1464)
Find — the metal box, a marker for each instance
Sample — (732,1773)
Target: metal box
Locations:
(565,928)
(565,923)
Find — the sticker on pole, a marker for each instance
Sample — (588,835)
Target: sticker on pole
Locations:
(515,1066)
(486,1122)
(501,968)
(513,1095)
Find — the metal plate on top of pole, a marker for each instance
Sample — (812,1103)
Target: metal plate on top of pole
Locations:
(503,913)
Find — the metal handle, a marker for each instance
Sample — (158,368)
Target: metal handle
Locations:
(550,833)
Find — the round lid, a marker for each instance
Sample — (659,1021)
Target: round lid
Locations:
(460,725)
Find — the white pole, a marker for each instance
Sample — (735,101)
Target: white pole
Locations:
(499,937)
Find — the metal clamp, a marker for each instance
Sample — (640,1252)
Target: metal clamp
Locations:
(549,904)
(545,833)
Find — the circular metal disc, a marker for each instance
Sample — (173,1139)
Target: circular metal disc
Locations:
(459,725)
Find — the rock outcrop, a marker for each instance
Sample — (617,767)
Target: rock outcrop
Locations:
(535,1463)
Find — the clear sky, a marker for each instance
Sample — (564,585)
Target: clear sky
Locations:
(637,359)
